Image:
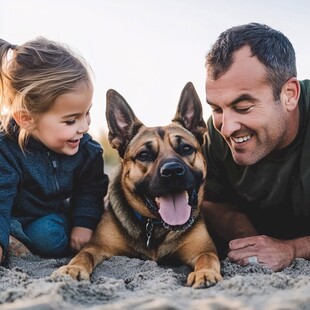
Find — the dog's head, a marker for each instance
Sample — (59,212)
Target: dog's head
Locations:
(163,168)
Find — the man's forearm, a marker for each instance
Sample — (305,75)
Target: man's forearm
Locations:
(301,247)
(227,222)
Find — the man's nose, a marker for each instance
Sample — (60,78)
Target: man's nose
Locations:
(229,124)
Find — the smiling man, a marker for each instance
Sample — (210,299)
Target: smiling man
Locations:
(257,199)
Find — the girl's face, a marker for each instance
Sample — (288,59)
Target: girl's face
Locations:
(62,127)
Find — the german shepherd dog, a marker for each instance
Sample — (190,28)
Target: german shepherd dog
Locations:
(155,195)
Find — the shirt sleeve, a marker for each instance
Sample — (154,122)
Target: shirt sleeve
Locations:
(218,187)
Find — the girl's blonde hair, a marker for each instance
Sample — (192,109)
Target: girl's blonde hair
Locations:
(33,75)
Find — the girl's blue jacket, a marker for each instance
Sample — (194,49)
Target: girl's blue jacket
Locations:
(38,182)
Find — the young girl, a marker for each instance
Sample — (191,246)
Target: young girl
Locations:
(52,180)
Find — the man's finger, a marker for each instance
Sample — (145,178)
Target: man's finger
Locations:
(242,243)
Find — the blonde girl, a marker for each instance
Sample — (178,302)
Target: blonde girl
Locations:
(52,178)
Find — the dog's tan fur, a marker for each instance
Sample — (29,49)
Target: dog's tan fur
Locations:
(144,152)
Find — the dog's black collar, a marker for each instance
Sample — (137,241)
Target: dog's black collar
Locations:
(149,226)
(144,219)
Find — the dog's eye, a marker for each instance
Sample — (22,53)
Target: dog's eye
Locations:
(186,149)
(145,156)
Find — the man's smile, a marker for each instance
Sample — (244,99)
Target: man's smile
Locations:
(241,139)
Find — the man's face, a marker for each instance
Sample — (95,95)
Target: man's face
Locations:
(244,110)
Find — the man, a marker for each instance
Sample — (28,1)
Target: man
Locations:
(258,149)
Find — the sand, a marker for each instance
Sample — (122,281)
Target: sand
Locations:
(124,283)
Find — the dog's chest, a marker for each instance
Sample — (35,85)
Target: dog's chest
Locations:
(155,245)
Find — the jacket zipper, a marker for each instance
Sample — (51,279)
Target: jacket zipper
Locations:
(54,165)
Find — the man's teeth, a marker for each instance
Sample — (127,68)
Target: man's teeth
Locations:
(242,139)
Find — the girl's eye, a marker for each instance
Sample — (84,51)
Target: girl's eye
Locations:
(70,122)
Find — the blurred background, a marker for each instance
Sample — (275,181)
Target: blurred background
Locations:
(147,50)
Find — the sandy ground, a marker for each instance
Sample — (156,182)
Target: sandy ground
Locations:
(124,283)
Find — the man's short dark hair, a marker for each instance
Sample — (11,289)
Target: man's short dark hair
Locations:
(271,47)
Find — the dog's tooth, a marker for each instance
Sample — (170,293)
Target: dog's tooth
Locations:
(157,201)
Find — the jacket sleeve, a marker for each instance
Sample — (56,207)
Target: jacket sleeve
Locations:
(9,180)
(90,189)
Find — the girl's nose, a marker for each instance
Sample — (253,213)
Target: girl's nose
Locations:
(84,127)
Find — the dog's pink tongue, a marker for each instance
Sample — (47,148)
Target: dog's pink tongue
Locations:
(174,209)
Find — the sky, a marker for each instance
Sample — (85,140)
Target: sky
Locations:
(147,50)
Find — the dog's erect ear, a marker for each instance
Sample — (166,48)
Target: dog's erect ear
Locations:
(122,122)
(189,112)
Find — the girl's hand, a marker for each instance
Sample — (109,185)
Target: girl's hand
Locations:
(79,237)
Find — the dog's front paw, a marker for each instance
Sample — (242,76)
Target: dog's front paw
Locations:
(74,271)
(203,278)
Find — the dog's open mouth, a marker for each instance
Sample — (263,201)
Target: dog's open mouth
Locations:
(175,209)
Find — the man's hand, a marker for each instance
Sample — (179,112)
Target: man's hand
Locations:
(273,253)
(79,237)
(1,253)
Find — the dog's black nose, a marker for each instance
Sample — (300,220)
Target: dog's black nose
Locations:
(172,169)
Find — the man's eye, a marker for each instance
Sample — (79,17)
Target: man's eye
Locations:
(243,110)
(216,110)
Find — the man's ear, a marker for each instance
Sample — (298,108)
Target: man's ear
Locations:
(291,91)
(23,119)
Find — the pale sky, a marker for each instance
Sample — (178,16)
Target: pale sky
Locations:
(147,50)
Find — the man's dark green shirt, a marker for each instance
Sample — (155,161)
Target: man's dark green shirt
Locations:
(274,192)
